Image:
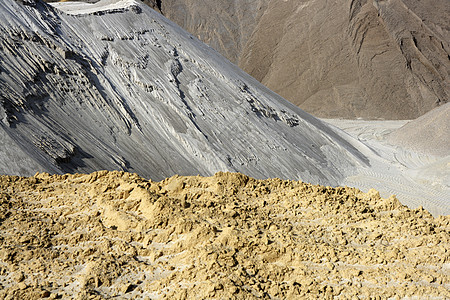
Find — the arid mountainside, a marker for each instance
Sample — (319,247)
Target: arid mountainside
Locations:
(115,235)
(357,58)
(224,25)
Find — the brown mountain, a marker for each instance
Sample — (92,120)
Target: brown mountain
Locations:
(226,26)
(370,59)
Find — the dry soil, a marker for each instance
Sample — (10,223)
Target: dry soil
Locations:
(115,235)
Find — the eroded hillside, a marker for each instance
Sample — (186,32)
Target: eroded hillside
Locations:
(358,58)
(114,234)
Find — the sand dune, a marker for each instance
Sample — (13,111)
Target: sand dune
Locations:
(429,134)
(407,172)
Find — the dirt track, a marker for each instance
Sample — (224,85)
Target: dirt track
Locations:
(116,235)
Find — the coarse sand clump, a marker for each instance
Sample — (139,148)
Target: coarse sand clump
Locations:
(115,235)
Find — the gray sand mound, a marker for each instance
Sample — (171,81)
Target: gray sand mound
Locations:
(429,133)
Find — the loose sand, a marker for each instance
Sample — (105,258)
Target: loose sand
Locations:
(116,235)
(412,170)
(428,134)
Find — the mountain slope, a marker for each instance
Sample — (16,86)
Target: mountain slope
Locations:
(369,59)
(224,25)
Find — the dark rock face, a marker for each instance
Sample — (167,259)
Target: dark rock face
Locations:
(382,59)
(155,4)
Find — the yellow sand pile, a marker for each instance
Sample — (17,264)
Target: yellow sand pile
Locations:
(114,234)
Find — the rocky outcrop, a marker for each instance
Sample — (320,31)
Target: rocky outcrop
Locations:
(381,59)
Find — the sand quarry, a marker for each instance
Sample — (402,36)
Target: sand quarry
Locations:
(115,235)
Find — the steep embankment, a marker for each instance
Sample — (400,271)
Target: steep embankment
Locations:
(115,85)
(369,59)
(114,234)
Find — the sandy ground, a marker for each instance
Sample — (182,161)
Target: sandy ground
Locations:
(114,235)
(417,178)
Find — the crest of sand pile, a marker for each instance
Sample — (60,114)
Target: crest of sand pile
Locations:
(428,134)
(114,234)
